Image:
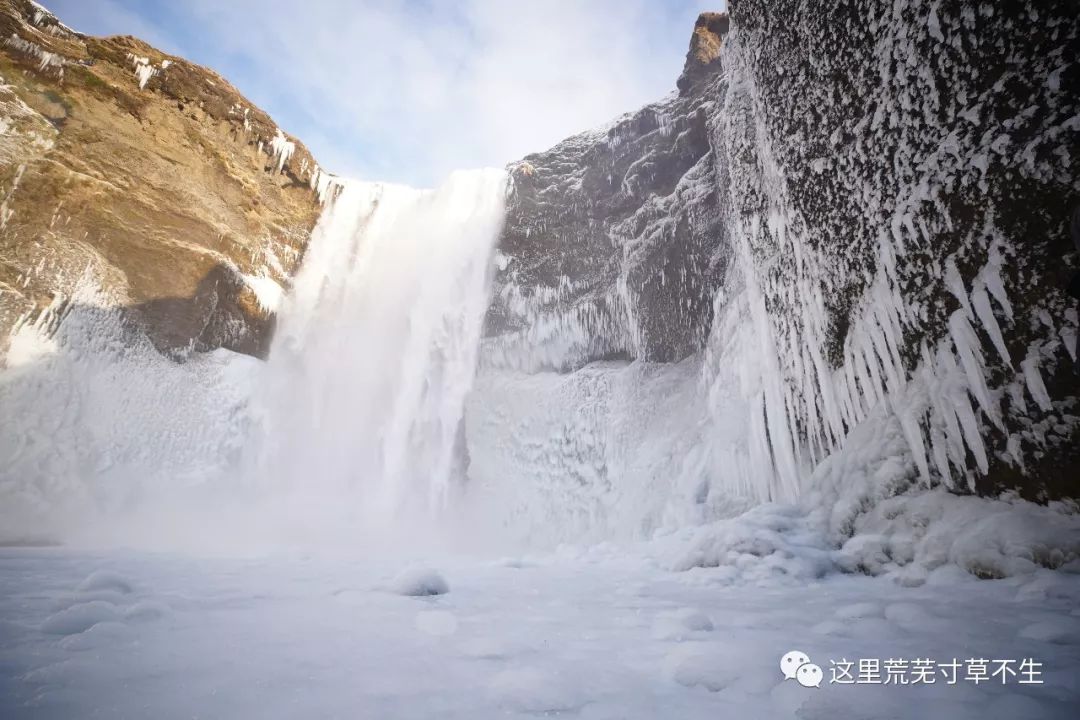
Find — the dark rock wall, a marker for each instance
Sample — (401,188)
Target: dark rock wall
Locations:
(903,174)
(611,237)
(882,189)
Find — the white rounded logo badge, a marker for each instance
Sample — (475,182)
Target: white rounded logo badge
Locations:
(796,666)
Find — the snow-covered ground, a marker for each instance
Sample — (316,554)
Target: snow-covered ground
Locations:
(600,632)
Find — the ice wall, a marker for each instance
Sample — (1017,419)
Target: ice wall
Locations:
(105,440)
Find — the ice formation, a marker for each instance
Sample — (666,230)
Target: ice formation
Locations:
(144,69)
(46,59)
(43,19)
(281,149)
(267,291)
(324,184)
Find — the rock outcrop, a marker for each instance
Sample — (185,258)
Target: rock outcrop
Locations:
(859,209)
(138,180)
(615,243)
(610,245)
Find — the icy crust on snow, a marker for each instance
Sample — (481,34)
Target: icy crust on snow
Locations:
(596,634)
(904,537)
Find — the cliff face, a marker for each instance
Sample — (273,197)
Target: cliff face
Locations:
(859,211)
(610,245)
(855,216)
(902,178)
(141,181)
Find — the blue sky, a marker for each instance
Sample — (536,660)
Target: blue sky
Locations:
(407,91)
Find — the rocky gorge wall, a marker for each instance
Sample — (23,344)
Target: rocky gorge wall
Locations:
(831,262)
(133,179)
(855,212)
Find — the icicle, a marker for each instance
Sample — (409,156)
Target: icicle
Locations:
(981,302)
(1034,380)
(281,149)
(967,348)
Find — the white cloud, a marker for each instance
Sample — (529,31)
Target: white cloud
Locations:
(408,91)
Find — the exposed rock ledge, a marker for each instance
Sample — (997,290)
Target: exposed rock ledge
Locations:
(134,179)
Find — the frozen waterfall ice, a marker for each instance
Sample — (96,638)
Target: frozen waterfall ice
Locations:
(353,425)
(376,349)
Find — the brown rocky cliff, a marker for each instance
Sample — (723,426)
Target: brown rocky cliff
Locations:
(703,57)
(145,181)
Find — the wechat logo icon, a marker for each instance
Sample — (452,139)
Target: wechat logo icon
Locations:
(796,666)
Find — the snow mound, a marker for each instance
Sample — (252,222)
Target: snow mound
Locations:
(707,667)
(98,636)
(768,544)
(681,625)
(908,536)
(418,582)
(485,649)
(106,580)
(80,617)
(989,538)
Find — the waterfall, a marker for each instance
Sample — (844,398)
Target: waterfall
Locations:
(375,351)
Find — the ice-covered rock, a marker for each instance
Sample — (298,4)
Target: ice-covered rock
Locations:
(847,240)
(420,581)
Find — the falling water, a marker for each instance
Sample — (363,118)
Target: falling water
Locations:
(376,350)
